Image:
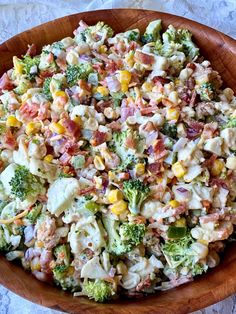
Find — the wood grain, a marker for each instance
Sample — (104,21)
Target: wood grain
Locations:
(210,288)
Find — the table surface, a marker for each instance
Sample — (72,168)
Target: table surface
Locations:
(219,14)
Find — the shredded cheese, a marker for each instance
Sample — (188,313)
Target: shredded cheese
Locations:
(10,220)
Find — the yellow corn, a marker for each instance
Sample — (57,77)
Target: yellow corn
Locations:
(35,266)
(12,121)
(78,120)
(119,207)
(114,196)
(147,86)
(180,222)
(159,180)
(104,91)
(125,77)
(57,128)
(172,114)
(178,169)
(140,169)
(99,163)
(202,241)
(39,244)
(174,203)
(103,49)
(217,167)
(32,128)
(18,66)
(60,93)
(124,87)
(111,175)
(48,158)
(129,59)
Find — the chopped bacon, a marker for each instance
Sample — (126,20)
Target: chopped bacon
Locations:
(206,204)
(162,80)
(98,138)
(102,104)
(209,130)
(180,209)
(190,83)
(46,74)
(191,66)
(32,50)
(113,162)
(149,127)
(157,191)
(148,110)
(219,183)
(72,127)
(8,140)
(166,102)
(111,66)
(144,284)
(124,175)
(61,62)
(209,162)
(155,167)
(114,126)
(144,58)
(5,83)
(44,112)
(84,85)
(87,190)
(193,99)
(101,56)
(70,147)
(209,218)
(65,159)
(159,149)
(130,142)
(194,129)
(29,110)
(99,68)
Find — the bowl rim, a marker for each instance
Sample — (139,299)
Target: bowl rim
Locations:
(134,306)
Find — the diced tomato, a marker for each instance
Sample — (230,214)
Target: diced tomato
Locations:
(29,110)
(160,79)
(8,140)
(32,50)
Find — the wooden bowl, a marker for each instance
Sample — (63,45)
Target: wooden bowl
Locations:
(205,290)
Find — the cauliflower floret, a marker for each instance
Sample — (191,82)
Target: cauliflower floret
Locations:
(43,169)
(6,176)
(229,136)
(86,233)
(61,194)
(94,270)
(210,233)
(214,145)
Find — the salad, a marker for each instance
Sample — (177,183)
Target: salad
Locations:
(117,161)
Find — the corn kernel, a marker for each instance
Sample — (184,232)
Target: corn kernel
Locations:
(114,196)
(119,207)
(99,163)
(57,128)
(217,167)
(78,120)
(172,114)
(18,66)
(202,241)
(104,91)
(124,87)
(35,266)
(147,86)
(178,169)
(125,77)
(103,49)
(140,169)
(32,128)
(129,59)
(60,93)
(39,244)
(174,203)
(48,158)
(13,122)
(111,175)
(180,222)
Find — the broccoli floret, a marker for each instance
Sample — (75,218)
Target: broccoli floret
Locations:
(64,276)
(179,254)
(132,35)
(117,98)
(206,92)
(76,72)
(185,38)
(62,253)
(46,88)
(33,214)
(129,162)
(24,184)
(78,161)
(230,124)
(23,86)
(4,246)
(30,66)
(132,233)
(95,35)
(152,32)
(93,79)
(136,192)
(169,130)
(98,290)
(122,237)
